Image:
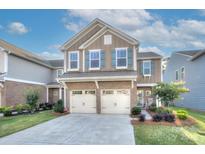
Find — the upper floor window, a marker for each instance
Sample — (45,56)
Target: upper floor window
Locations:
(94,62)
(121,58)
(177,75)
(107,39)
(147,68)
(59,72)
(182,73)
(73,60)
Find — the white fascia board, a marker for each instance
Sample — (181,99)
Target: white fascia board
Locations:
(102,78)
(146,84)
(23,81)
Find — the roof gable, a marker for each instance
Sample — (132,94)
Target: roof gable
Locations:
(104,27)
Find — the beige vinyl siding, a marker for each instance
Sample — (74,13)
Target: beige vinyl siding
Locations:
(89,34)
(116,43)
(153,78)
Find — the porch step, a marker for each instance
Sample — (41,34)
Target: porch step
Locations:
(147,115)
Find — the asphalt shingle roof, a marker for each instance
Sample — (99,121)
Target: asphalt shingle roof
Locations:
(141,55)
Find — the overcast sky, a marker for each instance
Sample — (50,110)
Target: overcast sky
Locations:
(161,31)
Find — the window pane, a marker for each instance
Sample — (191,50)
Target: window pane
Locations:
(94,55)
(73,64)
(147,64)
(74,56)
(147,71)
(94,63)
(121,62)
(121,53)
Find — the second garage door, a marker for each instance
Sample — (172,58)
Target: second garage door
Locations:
(83,101)
(115,101)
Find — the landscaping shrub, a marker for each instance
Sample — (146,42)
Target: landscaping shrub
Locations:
(32,98)
(182,114)
(153,108)
(157,117)
(162,110)
(58,107)
(142,117)
(22,107)
(169,117)
(2,109)
(8,111)
(136,110)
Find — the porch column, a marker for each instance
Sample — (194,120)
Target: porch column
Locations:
(60,93)
(47,94)
(65,106)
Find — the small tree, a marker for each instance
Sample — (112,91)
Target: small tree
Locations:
(32,97)
(167,93)
(59,107)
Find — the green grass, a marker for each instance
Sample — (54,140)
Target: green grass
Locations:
(9,125)
(161,135)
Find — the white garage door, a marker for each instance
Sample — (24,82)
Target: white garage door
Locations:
(115,101)
(83,101)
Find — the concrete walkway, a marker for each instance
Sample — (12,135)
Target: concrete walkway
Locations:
(147,115)
(83,129)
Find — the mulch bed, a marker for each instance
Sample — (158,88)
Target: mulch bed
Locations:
(60,114)
(188,122)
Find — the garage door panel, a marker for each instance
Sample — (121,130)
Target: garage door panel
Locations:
(83,101)
(115,101)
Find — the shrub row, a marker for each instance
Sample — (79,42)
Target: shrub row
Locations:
(169,117)
(24,108)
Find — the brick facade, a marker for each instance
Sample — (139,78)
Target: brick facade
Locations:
(102,85)
(15,92)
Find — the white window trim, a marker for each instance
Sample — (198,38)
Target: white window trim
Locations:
(176,76)
(105,37)
(121,67)
(74,69)
(181,73)
(145,61)
(95,50)
(58,70)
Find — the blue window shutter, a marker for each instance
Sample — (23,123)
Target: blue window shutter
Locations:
(102,56)
(87,59)
(152,67)
(130,58)
(113,58)
(141,67)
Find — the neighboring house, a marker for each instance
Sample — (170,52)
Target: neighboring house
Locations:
(188,66)
(105,73)
(20,71)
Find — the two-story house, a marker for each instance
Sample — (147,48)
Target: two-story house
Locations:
(103,71)
(20,70)
(188,66)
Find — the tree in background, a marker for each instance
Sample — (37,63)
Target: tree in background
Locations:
(168,93)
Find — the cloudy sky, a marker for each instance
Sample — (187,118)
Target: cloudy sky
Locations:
(161,31)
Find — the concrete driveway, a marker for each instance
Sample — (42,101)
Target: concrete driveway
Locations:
(77,129)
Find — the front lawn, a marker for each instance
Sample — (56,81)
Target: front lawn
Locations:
(171,135)
(9,125)
(160,135)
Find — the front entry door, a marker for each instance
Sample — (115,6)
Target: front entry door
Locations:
(140,98)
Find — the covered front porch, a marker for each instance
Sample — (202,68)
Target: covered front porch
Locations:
(145,96)
(54,91)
